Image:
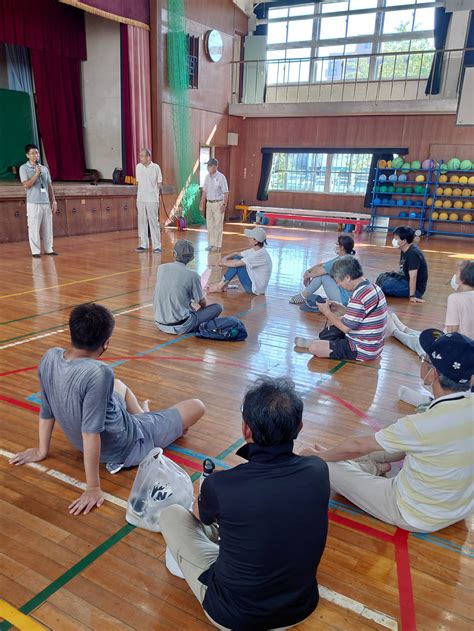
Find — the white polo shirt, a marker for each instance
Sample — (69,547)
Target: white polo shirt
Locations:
(149,178)
(215,186)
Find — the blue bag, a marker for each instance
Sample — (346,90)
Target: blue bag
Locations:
(228,329)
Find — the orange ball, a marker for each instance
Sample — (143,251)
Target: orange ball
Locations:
(458,204)
(467,218)
(439,191)
(466,192)
(443,216)
(467,205)
(443,178)
(453,217)
(447,203)
(448,191)
(457,192)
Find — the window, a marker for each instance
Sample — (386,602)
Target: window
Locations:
(351,27)
(193,61)
(343,173)
(204,155)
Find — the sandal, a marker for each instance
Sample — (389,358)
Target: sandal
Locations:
(297,299)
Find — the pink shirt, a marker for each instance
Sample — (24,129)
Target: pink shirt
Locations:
(460,312)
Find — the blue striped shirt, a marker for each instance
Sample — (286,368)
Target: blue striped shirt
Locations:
(366,317)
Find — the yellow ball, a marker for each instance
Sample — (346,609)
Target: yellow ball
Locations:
(439,191)
(470,180)
(429,201)
(443,216)
(458,204)
(420,178)
(443,178)
(466,192)
(467,218)
(467,205)
(453,217)
(447,203)
(457,192)
(382,164)
(438,203)
(434,215)
(454,179)
(448,191)
(389,164)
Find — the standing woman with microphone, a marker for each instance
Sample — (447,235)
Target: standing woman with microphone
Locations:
(40,202)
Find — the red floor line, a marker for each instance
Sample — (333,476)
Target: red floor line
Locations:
(196,466)
(355,525)
(20,404)
(373,424)
(405,585)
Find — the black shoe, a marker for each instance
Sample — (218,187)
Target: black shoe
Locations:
(36,256)
(140,249)
(53,253)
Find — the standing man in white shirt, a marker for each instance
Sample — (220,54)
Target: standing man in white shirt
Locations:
(215,197)
(149,178)
(40,202)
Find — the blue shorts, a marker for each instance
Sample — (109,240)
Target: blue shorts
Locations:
(160,429)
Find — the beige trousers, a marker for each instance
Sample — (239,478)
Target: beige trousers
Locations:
(40,222)
(148,217)
(360,482)
(215,223)
(194,546)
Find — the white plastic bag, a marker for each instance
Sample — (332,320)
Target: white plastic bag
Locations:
(159,483)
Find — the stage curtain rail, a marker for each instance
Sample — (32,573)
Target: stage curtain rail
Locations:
(132,12)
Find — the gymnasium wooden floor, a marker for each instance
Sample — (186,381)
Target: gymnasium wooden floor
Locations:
(94,571)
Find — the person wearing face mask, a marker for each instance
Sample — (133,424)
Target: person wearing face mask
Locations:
(356,331)
(319,275)
(99,414)
(433,488)
(411,281)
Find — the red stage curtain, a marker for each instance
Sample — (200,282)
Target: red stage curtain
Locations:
(128,160)
(133,12)
(59,108)
(45,25)
(140,88)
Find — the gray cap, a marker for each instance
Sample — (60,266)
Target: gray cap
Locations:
(212,162)
(184,251)
(258,234)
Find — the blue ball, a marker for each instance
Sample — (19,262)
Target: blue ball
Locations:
(419,215)
(412,215)
(392,202)
(382,178)
(392,178)
(385,201)
(402,178)
(402,214)
(400,202)
(377,201)
(419,202)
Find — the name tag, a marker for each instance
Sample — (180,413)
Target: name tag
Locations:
(43,190)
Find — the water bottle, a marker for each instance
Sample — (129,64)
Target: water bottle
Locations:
(208,467)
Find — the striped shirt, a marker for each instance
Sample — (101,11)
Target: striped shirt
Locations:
(366,317)
(215,186)
(434,487)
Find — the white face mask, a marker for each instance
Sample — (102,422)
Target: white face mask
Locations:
(454,283)
(395,243)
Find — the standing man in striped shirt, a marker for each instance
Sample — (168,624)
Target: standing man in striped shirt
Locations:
(356,331)
(434,488)
(215,197)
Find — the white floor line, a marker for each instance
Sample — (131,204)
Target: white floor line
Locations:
(325,593)
(57,331)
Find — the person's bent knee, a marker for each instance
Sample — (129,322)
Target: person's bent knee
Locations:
(169,516)
(191,411)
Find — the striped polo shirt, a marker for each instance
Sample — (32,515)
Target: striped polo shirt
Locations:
(366,317)
(434,487)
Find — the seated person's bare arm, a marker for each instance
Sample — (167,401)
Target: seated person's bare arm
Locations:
(314,271)
(36,454)
(93,495)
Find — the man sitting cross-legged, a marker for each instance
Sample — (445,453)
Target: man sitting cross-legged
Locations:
(434,488)
(272,514)
(99,415)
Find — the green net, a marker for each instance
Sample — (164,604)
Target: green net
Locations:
(178,78)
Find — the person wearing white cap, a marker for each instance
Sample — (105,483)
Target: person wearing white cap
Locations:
(215,196)
(253,267)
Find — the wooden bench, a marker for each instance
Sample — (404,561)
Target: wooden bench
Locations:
(323,216)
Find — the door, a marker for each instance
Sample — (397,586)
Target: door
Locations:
(110,208)
(13,226)
(60,219)
(127,213)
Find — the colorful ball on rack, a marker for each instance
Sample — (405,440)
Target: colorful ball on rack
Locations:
(397,163)
(458,204)
(466,192)
(464,180)
(382,164)
(415,165)
(420,178)
(434,215)
(467,205)
(466,165)
(443,167)
(454,179)
(377,201)
(382,177)
(429,201)
(448,191)
(406,166)
(443,178)
(403,214)
(391,189)
(418,202)
(447,203)
(389,164)
(392,202)
(443,216)
(385,201)
(399,189)
(408,190)
(467,218)
(439,191)
(454,164)
(427,164)
(383,189)
(392,178)
(402,177)
(453,217)
(412,215)
(438,203)
(457,192)
(419,189)
(400,202)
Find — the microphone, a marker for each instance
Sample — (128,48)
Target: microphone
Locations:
(41,175)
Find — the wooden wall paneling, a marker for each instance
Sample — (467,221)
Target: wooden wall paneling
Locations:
(60,227)
(13,223)
(83,216)
(110,211)
(127,213)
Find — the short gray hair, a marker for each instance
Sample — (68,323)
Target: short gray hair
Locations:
(146,151)
(346,266)
(448,384)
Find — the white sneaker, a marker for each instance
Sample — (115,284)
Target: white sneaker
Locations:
(413,397)
(171,564)
(398,323)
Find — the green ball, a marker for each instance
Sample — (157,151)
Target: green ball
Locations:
(416,164)
(391,189)
(397,163)
(466,165)
(383,189)
(406,167)
(399,189)
(408,190)
(454,164)
(419,189)
(443,167)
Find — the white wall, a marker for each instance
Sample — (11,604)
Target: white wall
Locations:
(101,96)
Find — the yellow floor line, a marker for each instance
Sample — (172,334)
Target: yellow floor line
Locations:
(18,619)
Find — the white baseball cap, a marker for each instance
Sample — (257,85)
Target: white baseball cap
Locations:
(258,234)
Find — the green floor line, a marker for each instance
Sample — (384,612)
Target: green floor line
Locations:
(76,569)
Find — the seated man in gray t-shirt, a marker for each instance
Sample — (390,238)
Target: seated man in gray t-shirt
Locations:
(99,414)
(177,287)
